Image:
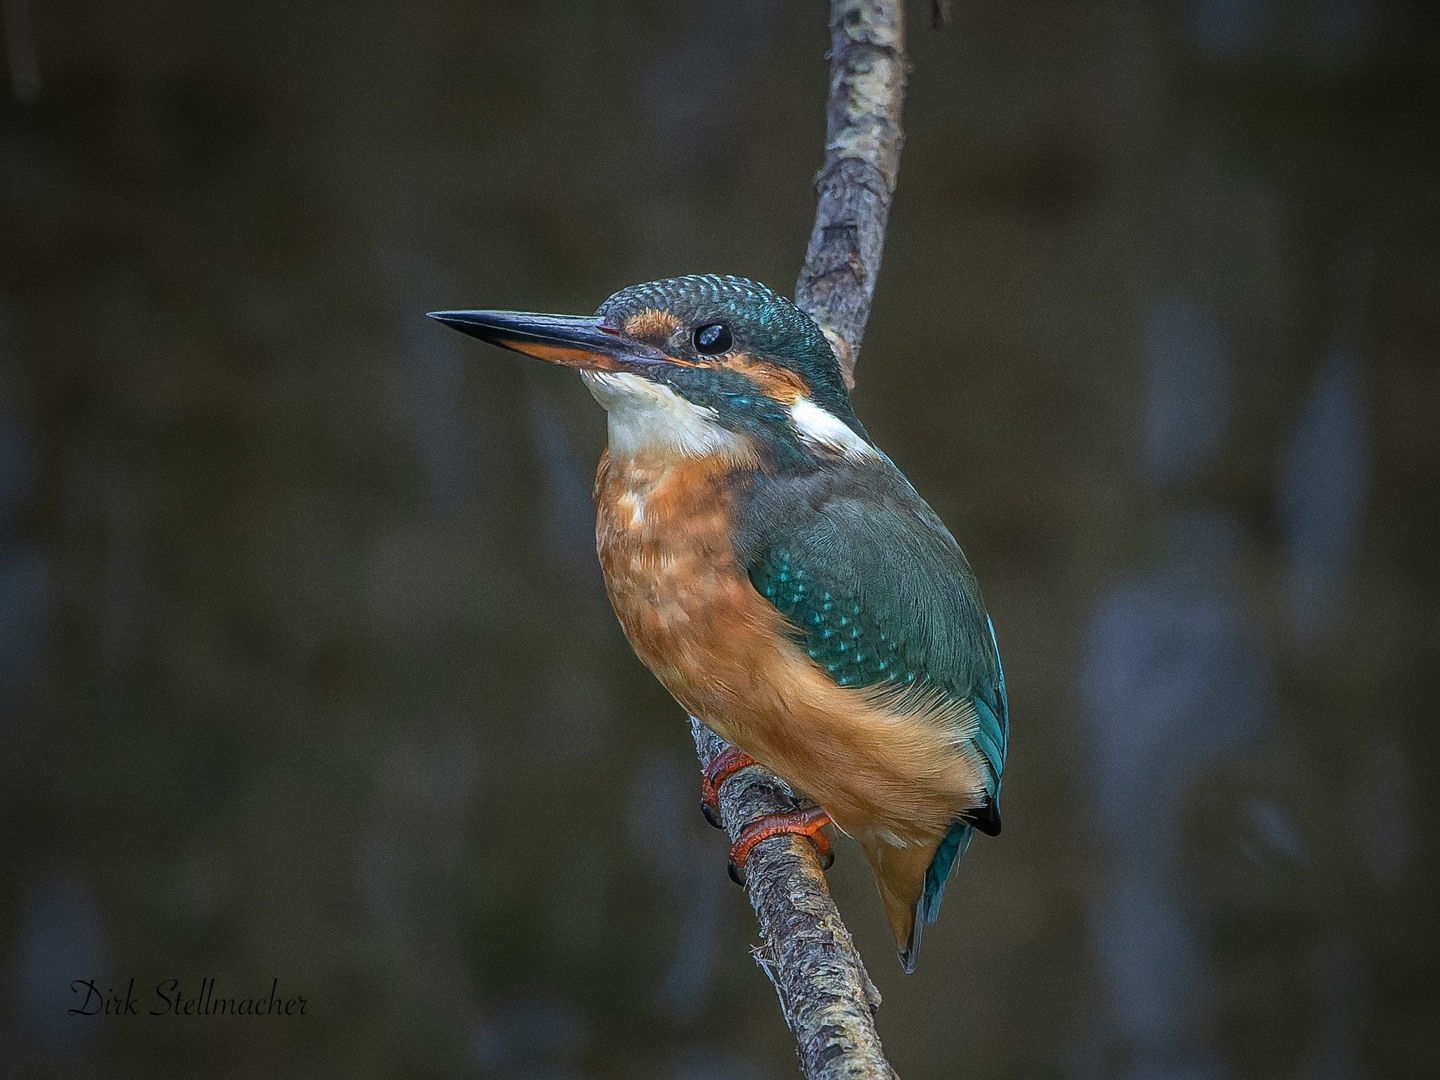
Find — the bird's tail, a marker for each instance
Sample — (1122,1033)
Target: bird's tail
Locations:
(912,881)
(947,855)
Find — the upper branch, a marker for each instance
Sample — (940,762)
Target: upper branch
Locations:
(863,138)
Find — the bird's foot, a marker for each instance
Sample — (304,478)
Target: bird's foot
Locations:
(807,823)
(730,760)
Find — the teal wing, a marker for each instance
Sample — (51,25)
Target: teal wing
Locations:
(879,593)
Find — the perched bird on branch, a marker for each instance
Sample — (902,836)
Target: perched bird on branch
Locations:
(781,577)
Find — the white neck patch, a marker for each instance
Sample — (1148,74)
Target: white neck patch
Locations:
(827,431)
(646,416)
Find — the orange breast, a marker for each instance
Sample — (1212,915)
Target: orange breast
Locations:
(663,529)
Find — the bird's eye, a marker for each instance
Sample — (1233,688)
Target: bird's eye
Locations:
(713,338)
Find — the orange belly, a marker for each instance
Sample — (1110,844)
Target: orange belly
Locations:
(885,776)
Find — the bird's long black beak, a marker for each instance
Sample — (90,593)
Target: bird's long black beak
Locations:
(577,341)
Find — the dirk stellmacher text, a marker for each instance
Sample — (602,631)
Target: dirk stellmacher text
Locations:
(172,999)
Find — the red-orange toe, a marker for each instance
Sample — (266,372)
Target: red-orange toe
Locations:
(727,762)
(807,823)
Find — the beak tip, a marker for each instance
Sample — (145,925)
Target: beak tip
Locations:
(466,322)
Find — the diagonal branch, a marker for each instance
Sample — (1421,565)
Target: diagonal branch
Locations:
(827,996)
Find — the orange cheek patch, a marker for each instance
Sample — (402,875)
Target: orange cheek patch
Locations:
(776,382)
(651,324)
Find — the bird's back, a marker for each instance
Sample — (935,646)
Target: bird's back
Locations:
(880,596)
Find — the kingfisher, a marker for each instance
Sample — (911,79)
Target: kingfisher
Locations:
(783,580)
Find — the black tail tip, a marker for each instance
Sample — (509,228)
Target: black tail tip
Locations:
(910,955)
(985,818)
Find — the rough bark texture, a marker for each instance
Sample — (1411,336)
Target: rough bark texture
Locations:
(827,997)
(825,992)
(857,183)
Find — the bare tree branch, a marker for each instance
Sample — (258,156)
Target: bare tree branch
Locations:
(857,183)
(827,996)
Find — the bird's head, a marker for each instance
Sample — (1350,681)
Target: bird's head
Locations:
(696,366)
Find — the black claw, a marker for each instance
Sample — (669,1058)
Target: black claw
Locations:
(827,860)
(736,874)
(710,815)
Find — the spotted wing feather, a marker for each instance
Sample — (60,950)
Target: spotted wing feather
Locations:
(879,594)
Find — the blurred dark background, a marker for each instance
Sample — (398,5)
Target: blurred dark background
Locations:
(306,668)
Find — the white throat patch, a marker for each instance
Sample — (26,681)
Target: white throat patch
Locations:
(646,416)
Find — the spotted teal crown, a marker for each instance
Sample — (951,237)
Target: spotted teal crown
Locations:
(762,321)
